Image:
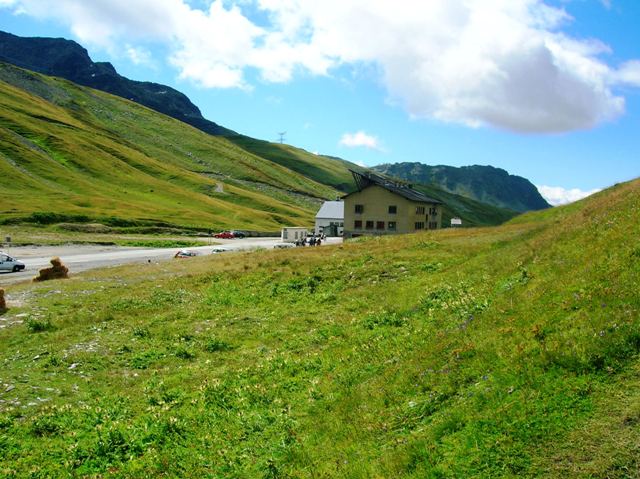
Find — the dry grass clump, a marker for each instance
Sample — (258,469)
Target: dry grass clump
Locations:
(3,303)
(57,271)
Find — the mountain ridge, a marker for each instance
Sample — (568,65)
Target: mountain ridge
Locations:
(487,184)
(68,59)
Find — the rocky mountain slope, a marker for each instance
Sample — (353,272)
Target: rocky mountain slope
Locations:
(67,59)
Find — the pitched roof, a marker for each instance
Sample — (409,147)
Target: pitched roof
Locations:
(331,209)
(366,179)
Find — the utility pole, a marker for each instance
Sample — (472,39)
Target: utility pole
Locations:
(281,135)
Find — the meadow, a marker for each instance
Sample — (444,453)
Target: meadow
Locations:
(508,351)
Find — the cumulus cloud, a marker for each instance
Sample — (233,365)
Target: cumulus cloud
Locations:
(629,73)
(503,63)
(556,195)
(360,139)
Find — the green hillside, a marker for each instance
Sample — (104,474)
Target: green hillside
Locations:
(471,212)
(510,351)
(324,169)
(75,151)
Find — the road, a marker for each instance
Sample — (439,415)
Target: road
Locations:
(84,257)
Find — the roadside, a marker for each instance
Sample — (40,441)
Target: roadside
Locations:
(84,257)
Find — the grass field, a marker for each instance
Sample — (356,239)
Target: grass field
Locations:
(491,352)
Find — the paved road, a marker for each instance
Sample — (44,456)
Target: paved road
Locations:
(83,257)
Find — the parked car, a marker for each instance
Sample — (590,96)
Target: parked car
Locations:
(224,235)
(284,245)
(238,234)
(219,250)
(185,253)
(7,263)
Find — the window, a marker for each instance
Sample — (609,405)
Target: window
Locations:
(433,225)
(357,225)
(359,209)
(369,225)
(419,210)
(433,211)
(391,226)
(380,225)
(419,225)
(393,209)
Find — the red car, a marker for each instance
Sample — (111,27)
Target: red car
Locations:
(224,235)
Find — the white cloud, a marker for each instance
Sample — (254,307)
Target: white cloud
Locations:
(139,55)
(556,195)
(503,63)
(628,73)
(360,139)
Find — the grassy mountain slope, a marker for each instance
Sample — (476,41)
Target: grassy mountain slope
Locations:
(486,184)
(72,150)
(66,59)
(492,352)
(324,169)
(472,212)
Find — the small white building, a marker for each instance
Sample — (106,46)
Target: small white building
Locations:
(293,234)
(330,219)
(456,222)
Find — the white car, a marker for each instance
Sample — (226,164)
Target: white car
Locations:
(7,263)
(219,250)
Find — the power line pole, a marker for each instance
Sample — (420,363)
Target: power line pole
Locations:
(281,135)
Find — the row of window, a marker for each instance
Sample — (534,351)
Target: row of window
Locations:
(393,209)
(419,225)
(379,225)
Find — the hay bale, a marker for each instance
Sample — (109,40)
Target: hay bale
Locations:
(57,271)
(3,303)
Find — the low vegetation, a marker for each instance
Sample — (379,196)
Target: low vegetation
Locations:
(490,352)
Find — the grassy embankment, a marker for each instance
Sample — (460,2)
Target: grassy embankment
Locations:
(508,351)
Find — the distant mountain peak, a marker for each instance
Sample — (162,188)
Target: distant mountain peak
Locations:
(488,184)
(69,60)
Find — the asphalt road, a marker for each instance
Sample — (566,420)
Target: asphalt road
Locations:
(84,257)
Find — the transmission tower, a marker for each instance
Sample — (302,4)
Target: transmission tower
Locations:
(281,136)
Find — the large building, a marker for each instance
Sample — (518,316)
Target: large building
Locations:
(330,219)
(381,206)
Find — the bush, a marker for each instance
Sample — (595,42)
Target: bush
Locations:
(39,326)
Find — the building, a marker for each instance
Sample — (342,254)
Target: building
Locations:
(381,206)
(293,234)
(330,219)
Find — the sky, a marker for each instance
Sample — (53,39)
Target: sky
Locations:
(546,89)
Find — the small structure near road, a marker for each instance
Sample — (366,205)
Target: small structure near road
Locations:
(57,271)
(293,234)
(455,222)
(330,219)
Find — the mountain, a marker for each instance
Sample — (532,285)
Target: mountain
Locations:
(286,174)
(93,156)
(482,183)
(67,59)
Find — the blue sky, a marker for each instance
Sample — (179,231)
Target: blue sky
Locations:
(549,90)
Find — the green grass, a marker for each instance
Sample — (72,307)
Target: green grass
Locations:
(490,352)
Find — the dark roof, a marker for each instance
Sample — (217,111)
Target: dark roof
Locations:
(365,179)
